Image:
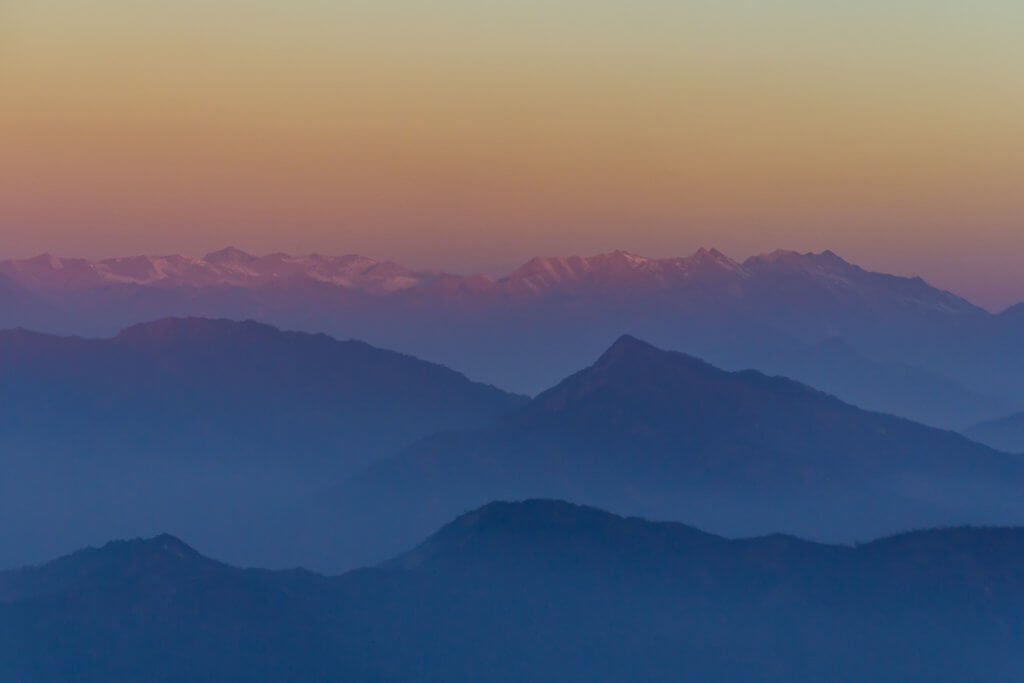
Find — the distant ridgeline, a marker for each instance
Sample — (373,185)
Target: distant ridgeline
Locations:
(882,342)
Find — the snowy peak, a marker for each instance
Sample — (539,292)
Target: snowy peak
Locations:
(809,261)
(712,257)
(828,272)
(616,270)
(774,278)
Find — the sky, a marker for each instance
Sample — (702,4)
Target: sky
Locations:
(471,135)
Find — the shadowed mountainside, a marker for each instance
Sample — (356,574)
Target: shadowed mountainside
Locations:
(664,435)
(539,590)
(188,423)
(1006,433)
(525,330)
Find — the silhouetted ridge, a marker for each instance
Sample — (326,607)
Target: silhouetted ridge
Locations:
(169,330)
(538,590)
(136,555)
(625,349)
(664,435)
(164,544)
(631,354)
(192,423)
(151,560)
(501,531)
(632,369)
(526,330)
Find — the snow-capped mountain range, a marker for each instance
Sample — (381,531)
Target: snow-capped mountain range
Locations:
(901,338)
(617,270)
(228,267)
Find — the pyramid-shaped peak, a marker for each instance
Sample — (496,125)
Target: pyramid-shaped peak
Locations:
(628,344)
(632,355)
(830,258)
(712,256)
(635,367)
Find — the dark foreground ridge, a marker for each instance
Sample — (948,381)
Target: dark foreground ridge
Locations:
(540,590)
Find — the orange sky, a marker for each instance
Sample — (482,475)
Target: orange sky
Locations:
(471,136)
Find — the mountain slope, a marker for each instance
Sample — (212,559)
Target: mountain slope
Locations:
(245,385)
(190,423)
(17,303)
(541,591)
(156,610)
(894,388)
(525,330)
(1006,433)
(664,435)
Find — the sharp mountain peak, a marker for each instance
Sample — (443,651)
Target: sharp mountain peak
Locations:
(624,347)
(628,350)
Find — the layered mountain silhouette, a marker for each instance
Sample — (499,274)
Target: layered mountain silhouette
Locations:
(665,435)
(215,388)
(889,387)
(192,421)
(525,330)
(157,610)
(539,590)
(1005,433)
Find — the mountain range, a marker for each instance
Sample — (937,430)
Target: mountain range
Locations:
(790,407)
(228,267)
(282,448)
(664,435)
(617,271)
(539,590)
(201,427)
(526,330)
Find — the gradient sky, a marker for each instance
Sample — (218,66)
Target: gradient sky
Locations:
(471,135)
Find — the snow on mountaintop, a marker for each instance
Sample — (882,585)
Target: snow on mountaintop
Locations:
(614,268)
(227,267)
(615,271)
